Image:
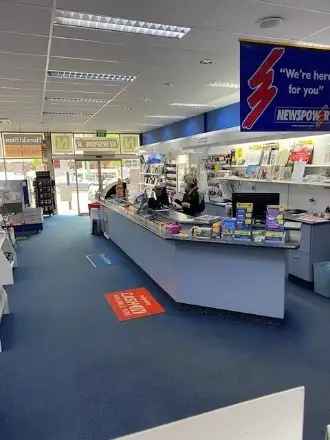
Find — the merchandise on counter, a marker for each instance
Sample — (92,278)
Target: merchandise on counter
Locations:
(248,212)
(258,235)
(243,221)
(202,232)
(274,223)
(173,228)
(216,230)
(228,227)
(242,234)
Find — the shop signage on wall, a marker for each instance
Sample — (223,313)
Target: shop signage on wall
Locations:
(284,88)
(62,143)
(129,143)
(110,145)
(20,145)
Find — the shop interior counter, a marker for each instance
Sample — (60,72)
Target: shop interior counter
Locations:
(240,276)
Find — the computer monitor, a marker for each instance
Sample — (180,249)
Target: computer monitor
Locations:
(260,202)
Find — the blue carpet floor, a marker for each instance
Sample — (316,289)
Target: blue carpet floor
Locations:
(71,371)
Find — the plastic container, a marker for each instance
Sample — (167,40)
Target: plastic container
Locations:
(322,278)
(95,216)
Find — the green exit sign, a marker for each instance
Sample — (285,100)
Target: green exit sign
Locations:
(101,133)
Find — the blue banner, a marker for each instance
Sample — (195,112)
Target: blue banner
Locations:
(284,88)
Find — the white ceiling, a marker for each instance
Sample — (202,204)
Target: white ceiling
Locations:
(29,42)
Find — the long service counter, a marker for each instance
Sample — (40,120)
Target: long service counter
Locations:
(246,277)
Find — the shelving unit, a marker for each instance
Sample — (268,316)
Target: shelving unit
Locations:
(44,188)
(171,177)
(8,260)
(4,307)
(151,173)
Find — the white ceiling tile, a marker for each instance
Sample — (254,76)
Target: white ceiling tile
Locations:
(19,43)
(25,18)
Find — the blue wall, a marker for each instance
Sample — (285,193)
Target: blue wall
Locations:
(219,119)
(224,117)
(179,129)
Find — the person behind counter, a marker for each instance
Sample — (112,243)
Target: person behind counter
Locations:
(192,202)
(119,190)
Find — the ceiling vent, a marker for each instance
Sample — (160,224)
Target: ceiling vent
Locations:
(269,22)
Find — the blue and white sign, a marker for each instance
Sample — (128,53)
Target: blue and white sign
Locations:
(284,88)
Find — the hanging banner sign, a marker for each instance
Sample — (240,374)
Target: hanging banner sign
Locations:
(109,145)
(101,133)
(129,143)
(20,145)
(284,88)
(62,143)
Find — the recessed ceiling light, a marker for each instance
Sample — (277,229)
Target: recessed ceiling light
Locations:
(65,74)
(222,84)
(63,100)
(101,22)
(269,22)
(165,116)
(185,104)
(5,121)
(206,61)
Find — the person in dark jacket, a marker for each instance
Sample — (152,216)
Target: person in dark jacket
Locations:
(192,202)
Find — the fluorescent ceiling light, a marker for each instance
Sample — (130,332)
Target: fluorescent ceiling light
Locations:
(224,85)
(185,104)
(79,19)
(63,100)
(65,74)
(68,115)
(165,116)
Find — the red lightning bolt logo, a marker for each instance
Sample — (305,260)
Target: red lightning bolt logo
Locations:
(262,84)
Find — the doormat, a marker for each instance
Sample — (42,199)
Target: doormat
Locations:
(100,260)
(133,303)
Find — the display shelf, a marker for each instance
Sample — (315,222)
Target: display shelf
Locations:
(44,188)
(6,264)
(4,307)
(281,182)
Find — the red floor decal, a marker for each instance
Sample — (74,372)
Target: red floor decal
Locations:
(133,303)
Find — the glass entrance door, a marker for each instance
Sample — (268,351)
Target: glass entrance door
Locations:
(66,186)
(88,183)
(94,176)
(110,172)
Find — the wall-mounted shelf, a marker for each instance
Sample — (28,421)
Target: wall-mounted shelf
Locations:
(280,182)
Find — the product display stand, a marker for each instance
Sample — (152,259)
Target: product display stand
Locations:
(44,188)
(4,307)
(276,417)
(8,260)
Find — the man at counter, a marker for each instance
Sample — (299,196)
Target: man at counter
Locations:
(192,202)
